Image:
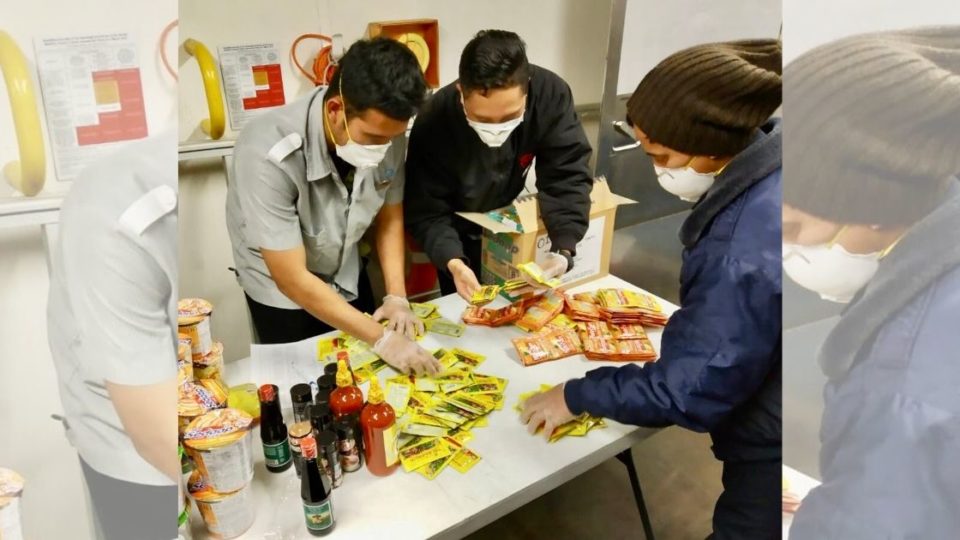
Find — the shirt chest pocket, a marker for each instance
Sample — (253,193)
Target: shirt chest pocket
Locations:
(322,251)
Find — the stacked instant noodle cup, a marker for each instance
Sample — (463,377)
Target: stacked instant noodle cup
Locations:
(199,362)
(216,439)
(220,446)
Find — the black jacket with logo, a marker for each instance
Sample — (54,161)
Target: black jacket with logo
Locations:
(449,169)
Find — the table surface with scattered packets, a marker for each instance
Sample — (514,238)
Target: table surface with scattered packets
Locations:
(515,467)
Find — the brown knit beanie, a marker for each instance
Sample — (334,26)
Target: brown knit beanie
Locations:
(709,99)
(872,126)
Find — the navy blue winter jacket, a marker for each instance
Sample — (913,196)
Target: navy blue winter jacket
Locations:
(720,359)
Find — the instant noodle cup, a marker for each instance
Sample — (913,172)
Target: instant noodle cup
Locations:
(199,398)
(184,360)
(11,486)
(227,515)
(220,445)
(211,365)
(193,319)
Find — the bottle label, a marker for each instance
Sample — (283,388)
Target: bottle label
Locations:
(390,445)
(276,455)
(319,516)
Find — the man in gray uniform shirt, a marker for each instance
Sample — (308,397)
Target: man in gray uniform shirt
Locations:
(309,179)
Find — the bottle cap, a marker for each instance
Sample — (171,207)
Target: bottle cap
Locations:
(331,369)
(320,416)
(308,447)
(301,393)
(326,438)
(326,383)
(375,395)
(344,428)
(344,378)
(322,398)
(267,392)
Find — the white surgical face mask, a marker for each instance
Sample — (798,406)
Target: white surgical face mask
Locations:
(685,182)
(493,135)
(830,270)
(361,156)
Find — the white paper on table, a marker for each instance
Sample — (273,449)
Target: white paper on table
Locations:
(285,365)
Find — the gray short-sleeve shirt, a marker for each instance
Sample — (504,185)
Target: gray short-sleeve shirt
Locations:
(285,191)
(111,311)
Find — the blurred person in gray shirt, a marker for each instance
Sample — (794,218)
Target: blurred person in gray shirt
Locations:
(111,320)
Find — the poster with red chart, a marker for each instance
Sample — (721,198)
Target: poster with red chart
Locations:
(252,80)
(92,97)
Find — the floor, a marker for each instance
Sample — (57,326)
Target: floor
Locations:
(680,481)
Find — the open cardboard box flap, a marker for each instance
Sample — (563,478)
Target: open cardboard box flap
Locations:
(601,199)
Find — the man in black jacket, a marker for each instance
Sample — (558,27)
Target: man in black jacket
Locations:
(471,148)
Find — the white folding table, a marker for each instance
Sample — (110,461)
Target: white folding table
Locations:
(515,469)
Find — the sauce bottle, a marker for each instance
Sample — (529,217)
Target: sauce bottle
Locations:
(346,398)
(315,491)
(273,432)
(301,395)
(378,424)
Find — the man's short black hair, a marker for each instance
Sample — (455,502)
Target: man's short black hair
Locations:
(494,59)
(381,74)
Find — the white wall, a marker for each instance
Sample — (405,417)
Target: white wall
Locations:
(32,443)
(655,30)
(567,36)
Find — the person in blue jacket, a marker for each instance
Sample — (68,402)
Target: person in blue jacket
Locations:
(704,117)
(874,222)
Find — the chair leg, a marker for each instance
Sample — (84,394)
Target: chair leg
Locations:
(626,458)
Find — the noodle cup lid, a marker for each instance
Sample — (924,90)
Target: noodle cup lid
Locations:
(217,428)
(184,344)
(203,492)
(192,310)
(11,484)
(214,357)
(194,400)
(213,391)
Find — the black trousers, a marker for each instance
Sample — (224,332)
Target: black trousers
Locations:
(749,507)
(279,325)
(125,510)
(471,248)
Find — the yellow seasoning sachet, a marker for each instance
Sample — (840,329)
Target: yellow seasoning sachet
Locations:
(434,468)
(464,460)
(415,456)
(398,395)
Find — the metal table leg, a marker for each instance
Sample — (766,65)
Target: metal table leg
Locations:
(626,458)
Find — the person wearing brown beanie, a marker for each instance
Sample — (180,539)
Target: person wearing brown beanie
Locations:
(871,217)
(704,117)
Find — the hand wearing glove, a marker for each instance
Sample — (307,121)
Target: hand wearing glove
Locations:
(396,310)
(554,265)
(548,409)
(464,278)
(405,355)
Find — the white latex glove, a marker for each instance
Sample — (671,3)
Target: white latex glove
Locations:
(396,310)
(405,355)
(554,265)
(464,278)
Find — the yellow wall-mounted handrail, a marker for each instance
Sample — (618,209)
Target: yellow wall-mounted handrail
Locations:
(214,125)
(28,174)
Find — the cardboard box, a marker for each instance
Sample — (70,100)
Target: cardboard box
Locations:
(504,247)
